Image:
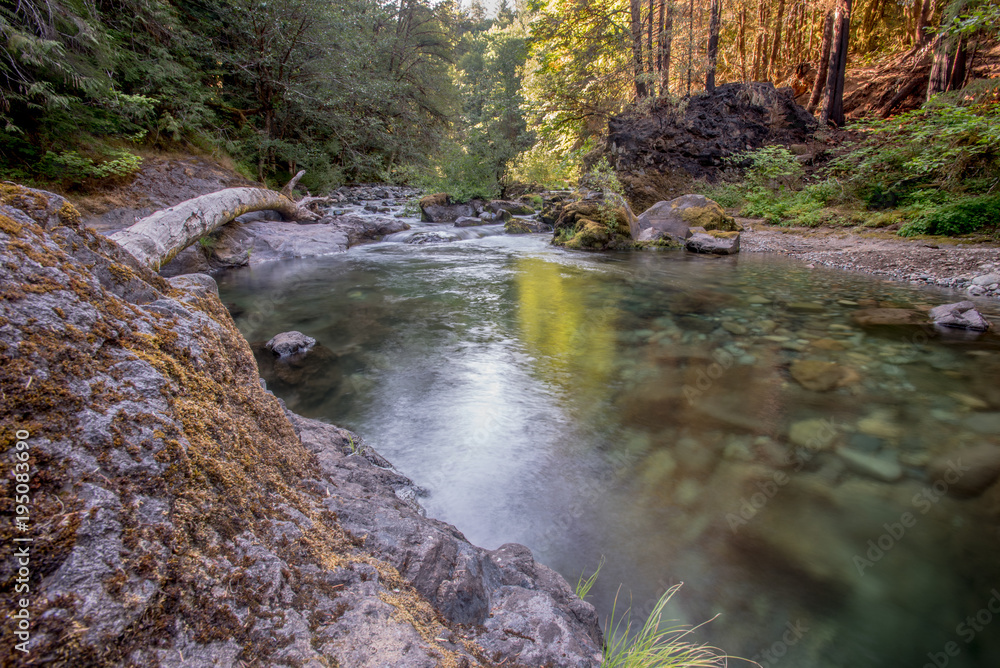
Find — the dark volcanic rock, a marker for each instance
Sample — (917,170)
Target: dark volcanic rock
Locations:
(662,151)
(187,522)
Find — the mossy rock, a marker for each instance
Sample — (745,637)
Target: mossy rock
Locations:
(438,199)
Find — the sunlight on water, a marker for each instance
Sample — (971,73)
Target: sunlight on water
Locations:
(731,423)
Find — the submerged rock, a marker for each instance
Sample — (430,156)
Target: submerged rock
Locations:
(290,343)
(967,471)
(821,376)
(961,315)
(880,467)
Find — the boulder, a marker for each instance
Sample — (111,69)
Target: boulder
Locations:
(440,208)
(525,226)
(290,343)
(712,241)
(500,216)
(960,315)
(673,219)
(820,376)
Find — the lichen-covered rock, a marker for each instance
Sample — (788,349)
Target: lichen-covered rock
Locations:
(525,226)
(674,219)
(290,343)
(179,518)
(513,208)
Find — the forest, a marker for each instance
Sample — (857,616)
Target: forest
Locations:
(450,97)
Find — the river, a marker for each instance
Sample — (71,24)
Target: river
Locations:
(640,408)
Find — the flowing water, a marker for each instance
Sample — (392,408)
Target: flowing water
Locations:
(639,407)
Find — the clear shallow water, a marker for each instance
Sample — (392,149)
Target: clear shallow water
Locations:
(639,407)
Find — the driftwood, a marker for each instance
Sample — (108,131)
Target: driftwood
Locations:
(158,238)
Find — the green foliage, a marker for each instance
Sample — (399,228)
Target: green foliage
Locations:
(71,167)
(772,168)
(964,217)
(655,643)
(954,139)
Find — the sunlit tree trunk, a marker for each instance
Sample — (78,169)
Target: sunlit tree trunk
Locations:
(776,44)
(713,46)
(760,45)
(948,69)
(833,102)
(924,10)
(742,43)
(690,67)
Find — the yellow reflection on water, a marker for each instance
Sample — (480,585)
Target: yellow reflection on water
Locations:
(572,340)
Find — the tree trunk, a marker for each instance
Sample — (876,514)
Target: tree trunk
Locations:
(635,11)
(158,238)
(948,70)
(833,103)
(776,45)
(924,11)
(760,44)
(713,46)
(650,54)
(741,40)
(824,63)
(666,42)
(690,67)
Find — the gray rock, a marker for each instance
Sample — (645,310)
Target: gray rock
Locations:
(199,284)
(880,467)
(290,343)
(519,225)
(513,208)
(960,315)
(986,279)
(723,244)
(673,219)
(467,221)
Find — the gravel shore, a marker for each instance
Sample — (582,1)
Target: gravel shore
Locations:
(974,269)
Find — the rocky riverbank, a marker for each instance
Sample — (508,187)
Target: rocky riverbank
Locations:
(180,516)
(974,269)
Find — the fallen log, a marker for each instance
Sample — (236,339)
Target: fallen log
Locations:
(158,238)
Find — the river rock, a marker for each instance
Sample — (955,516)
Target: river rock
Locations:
(440,208)
(713,241)
(987,424)
(813,434)
(290,343)
(820,376)
(362,229)
(880,467)
(513,208)
(960,315)
(968,471)
(525,226)
(876,317)
(199,521)
(259,242)
(673,219)
(986,280)
(468,221)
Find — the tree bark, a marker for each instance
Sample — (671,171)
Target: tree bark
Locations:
(635,11)
(833,102)
(713,46)
(776,45)
(666,44)
(824,63)
(690,67)
(158,238)
(924,11)
(948,69)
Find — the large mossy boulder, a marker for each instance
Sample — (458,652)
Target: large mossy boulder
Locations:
(674,218)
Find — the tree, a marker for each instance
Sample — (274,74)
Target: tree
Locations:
(713,46)
(833,100)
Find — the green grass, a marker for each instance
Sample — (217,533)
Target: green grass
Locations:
(659,643)
(583,585)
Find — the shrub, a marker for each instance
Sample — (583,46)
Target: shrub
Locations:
(772,168)
(964,217)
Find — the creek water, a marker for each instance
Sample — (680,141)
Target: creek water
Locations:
(638,407)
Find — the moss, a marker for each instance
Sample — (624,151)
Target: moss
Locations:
(9,225)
